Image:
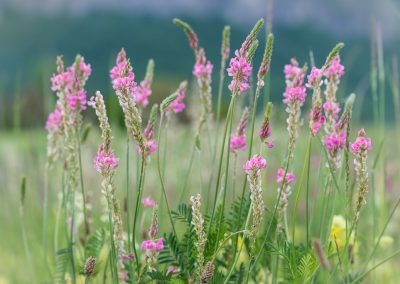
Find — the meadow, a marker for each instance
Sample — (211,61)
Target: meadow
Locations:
(301,191)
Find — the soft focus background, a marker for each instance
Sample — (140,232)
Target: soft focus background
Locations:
(34,32)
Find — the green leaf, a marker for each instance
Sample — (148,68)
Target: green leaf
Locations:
(62,259)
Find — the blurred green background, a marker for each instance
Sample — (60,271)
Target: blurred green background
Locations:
(33,32)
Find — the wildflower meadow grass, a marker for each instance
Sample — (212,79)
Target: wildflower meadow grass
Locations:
(300,192)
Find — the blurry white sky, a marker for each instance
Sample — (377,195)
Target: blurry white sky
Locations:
(339,16)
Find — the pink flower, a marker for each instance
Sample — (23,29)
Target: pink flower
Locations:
(332,107)
(314,77)
(127,257)
(160,244)
(238,143)
(86,69)
(59,81)
(256,163)
(202,69)
(316,120)
(292,70)
(54,119)
(335,142)
(290,177)
(79,99)
(142,94)
(335,69)
(294,95)
(172,269)
(178,105)
(150,146)
(362,143)
(122,75)
(105,162)
(240,71)
(150,245)
(148,202)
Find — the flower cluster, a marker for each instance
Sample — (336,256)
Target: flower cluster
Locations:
(317,119)
(54,119)
(255,164)
(124,85)
(153,246)
(334,143)
(240,71)
(338,233)
(238,140)
(253,169)
(143,90)
(360,149)
(122,75)
(105,162)
(284,192)
(148,202)
(265,131)
(198,223)
(335,69)
(178,105)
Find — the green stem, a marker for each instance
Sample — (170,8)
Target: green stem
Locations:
(306,165)
(227,122)
(162,179)
(186,177)
(137,208)
(82,185)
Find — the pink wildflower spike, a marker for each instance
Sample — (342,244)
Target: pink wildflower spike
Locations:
(240,71)
(142,93)
(256,163)
(172,269)
(294,95)
(54,119)
(238,143)
(316,120)
(292,70)
(122,75)
(86,69)
(314,77)
(178,105)
(148,202)
(335,142)
(203,67)
(105,162)
(59,81)
(335,69)
(290,177)
(361,144)
(160,245)
(332,107)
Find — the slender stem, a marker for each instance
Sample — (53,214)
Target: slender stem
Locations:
(306,165)
(113,259)
(45,215)
(128,197)
(308,200)
(162,179)
(228,118)
(186,177)
(82,185)
(137,208)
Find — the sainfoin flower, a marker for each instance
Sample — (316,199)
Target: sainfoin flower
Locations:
(335,142)
(105,162)
(238,143)
(203,67)
(316,120)
(148,202)
(142,93)
(122,75)
(240,71)
(54,119)
(253,169)
(256,163)
(178,105)
(79,99)
(290,177)
(335,69)
(314,77)
(150,245)
(292,70)
(294,95)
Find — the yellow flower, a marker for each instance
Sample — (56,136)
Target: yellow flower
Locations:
(386,242)
(338,233)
